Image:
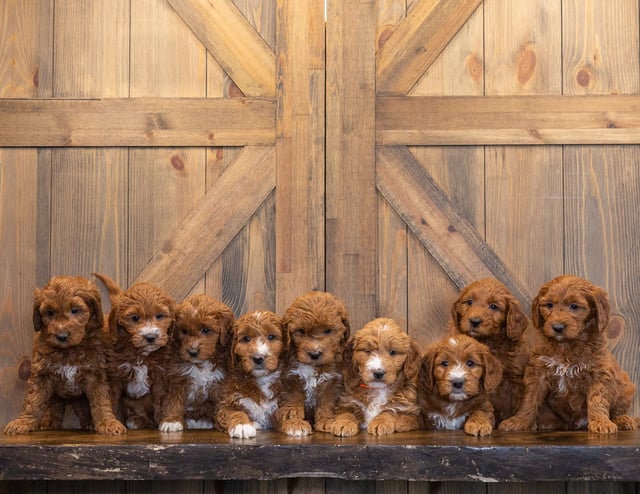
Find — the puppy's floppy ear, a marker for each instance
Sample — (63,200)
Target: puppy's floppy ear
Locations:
(426,379)
(347,358)
(38,324)
(413,361)
(455,314)
(91,297)
(226,318)
(517,320)
(232,349)
(492,371)
(536,317)
(600,307)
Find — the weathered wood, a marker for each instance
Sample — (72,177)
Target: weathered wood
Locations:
(419,455)
(300,258)
(350,164)
(137,122)
(189,250)
(428,212)
(507,120)
(233,42)
(417,41)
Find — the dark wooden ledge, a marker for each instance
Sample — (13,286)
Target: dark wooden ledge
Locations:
(436,456)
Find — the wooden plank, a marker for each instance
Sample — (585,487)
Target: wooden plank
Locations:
(189,250)
(350,181)
(507,120)
(300,142)
(137,122)
(428,212)
(26,54)
(418,455)
(417,41)
(233,42)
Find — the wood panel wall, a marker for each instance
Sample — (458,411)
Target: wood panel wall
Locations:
(304,189)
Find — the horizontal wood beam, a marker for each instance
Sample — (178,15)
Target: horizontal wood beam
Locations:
(428,212)
(507,120)
(233,42)
(144,122)
(191,249)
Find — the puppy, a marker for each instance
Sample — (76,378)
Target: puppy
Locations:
(317,325)
(488,312)
(199,361)
(456,377)
(68,360)
(255,382)
(141,322)
(381,364)
(572,370)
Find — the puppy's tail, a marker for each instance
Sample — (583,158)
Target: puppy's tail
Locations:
(112,287)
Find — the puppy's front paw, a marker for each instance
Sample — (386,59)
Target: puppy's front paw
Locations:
(296,427)
(324,425)
(513,424)
(625,423)
(171,426)
(345,426)
(111,427)
(242,431)
(478,427)
(20,426)
(381,425)
(602,426)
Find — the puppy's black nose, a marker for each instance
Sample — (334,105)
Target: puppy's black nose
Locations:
(475,322)
(62,337)
(558,328)
(150,338)
(458,383)
(193,352)
(378,374)
(315,355)
(258,360)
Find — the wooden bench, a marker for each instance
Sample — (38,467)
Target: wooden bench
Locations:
(421,455)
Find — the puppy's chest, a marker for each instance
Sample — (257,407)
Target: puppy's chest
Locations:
(67,379)
(565,376)
(376,402)
(201,379)
(449,419)
(137,377)
(263,403)
(311,379)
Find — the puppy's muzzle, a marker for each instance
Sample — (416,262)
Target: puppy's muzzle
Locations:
(379,374)
(258,360)
(62,337)
(315,355)
(475,322)
(558,328)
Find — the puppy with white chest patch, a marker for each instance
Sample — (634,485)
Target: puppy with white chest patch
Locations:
(255,382)
(141,322)
(381,364)
(68,361)
(572,371)
(317,324)
(456,378)
(198,365)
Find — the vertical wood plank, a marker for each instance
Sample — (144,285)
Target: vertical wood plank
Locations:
(350,181)
(299,149)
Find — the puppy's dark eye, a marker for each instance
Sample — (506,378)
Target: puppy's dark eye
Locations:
(469,302)
(327,331)
(548,305)
(493,307)
(160,316)
(444,363)
(271,337)
(470,363)
(392,352)
(135,318)
(574,306)
(246,339)
(205,330)
(299,332)
(76,310)
(185,332)
(49,313)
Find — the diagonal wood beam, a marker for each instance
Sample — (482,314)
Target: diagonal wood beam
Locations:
(446,234)
(233,42)
(417,42)
(204,234)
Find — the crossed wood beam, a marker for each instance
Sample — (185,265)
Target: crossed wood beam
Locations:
(250,121)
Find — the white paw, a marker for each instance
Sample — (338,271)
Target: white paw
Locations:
(199,424)
(242,431)
(170,426)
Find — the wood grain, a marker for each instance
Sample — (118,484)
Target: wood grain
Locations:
(417,41)
(233,42)
(139,122)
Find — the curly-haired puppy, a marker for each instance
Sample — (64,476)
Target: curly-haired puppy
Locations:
(141,322)
(200,349)
(317,324)
(68,361)
(255,382)
(456,376)
(488,312)
(572,369)
(381,364)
